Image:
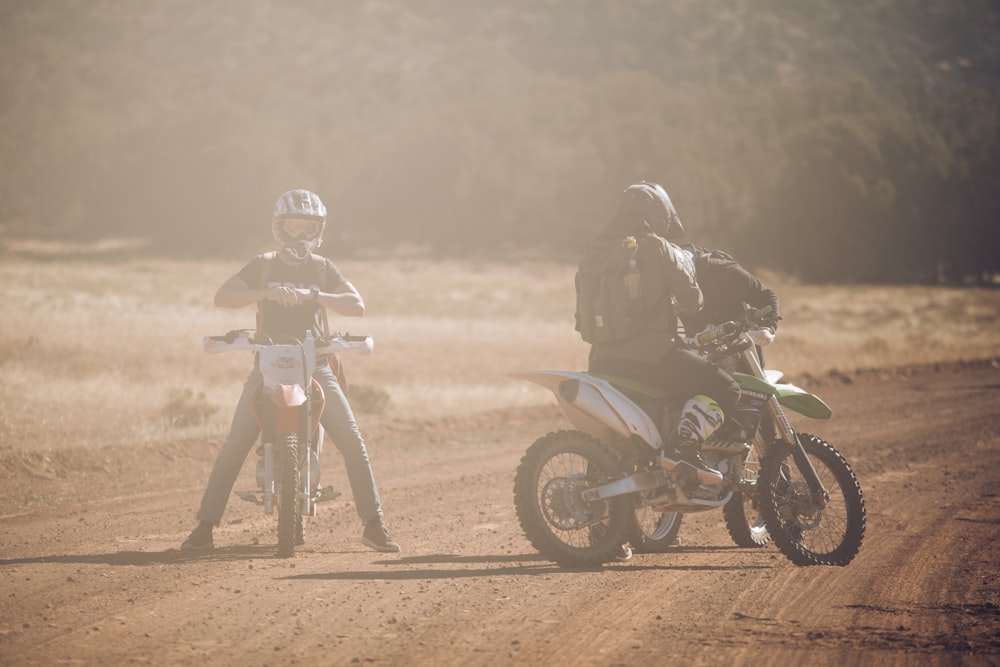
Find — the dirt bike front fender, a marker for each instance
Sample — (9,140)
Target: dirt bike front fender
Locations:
(287,399)
(800,400)
(288,396)
(790,396)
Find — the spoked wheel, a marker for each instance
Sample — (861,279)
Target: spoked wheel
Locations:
(654,532)
(548,497)
(289,509)
(743,519)
(811,531)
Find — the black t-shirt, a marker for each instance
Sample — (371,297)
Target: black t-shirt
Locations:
(269,270)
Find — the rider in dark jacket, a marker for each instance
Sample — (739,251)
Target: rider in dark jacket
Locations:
(726,286)
(654,357)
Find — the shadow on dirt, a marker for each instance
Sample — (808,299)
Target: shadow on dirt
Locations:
(516,564)
(522,558)
(168,557)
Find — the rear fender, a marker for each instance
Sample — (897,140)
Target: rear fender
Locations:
(595,406)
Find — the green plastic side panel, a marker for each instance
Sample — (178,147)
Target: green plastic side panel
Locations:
(792,397)
(634,385)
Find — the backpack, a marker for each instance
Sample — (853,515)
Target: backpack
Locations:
(608,291)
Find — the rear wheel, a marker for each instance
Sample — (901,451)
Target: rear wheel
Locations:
(289,509)
(549,490)
(811,531)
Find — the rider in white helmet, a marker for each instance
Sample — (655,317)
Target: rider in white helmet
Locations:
(293,287)
(298,222)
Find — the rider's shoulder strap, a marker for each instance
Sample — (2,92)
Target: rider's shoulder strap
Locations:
(267,267)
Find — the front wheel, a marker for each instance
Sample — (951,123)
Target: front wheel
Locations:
(654,532)
(806,531)
(548,497)
(289,508)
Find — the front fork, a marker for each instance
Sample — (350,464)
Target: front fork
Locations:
(269,487)
(286,419)
(308,475)
(785,432)
(820,496)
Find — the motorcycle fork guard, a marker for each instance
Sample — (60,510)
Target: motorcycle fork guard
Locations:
(268,478)
(311,435)
(820,496)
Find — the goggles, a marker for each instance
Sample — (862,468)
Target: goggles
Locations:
(301,228)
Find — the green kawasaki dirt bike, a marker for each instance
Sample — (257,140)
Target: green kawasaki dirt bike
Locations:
(580,494)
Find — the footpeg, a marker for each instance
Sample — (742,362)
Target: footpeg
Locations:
(250,497)
(326,494)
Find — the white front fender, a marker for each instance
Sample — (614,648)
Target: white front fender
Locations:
(595,406)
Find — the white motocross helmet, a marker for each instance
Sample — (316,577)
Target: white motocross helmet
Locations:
(297,222)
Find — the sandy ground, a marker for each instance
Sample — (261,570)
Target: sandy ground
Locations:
(90,572)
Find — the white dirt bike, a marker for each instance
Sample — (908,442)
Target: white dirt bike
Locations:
(288,403)
(580,494)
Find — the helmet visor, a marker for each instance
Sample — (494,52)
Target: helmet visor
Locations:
(301,228)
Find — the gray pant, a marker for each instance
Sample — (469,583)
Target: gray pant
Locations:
(337,420)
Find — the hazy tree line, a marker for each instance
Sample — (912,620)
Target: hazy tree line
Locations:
(837,144)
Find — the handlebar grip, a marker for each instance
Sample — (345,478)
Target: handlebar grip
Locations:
(714,333)
(216,344)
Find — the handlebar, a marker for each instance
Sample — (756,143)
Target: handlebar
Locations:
(251,341)
(721,340)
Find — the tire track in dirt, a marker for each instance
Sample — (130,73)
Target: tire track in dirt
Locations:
(469,590)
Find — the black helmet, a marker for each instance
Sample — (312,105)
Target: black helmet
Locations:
(651,202)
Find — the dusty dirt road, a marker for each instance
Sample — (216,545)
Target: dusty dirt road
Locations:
(91,575)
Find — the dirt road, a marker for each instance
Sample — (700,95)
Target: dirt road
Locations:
(90,574)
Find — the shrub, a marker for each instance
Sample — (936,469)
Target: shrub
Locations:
(186,408)
(368,398)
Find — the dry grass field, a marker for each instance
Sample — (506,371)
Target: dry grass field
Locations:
(111,416)
(109,352)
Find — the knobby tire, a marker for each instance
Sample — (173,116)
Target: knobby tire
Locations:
(289,510)
(806,534)
(556,521)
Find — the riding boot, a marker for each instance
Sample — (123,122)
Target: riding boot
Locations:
(700,417)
